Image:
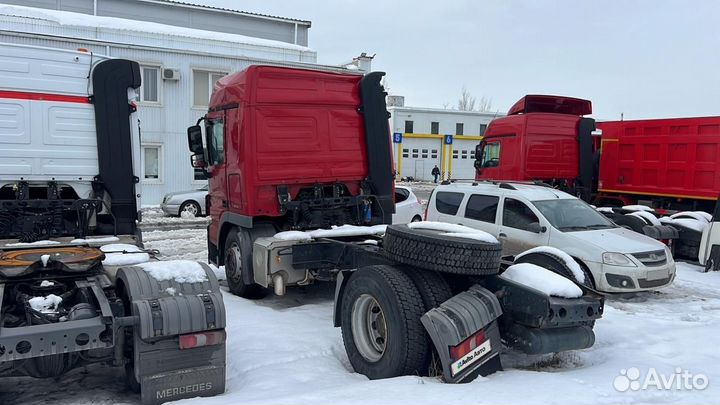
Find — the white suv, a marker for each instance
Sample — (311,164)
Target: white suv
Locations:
(523,216)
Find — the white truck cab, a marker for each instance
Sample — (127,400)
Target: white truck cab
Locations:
(523,216)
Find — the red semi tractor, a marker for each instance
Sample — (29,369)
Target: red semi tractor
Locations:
(289,151)
(670,164)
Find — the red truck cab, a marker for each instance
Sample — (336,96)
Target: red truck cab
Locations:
(289,148)
(538,141)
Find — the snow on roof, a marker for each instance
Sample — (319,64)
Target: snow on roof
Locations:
(234,11)
(66,18)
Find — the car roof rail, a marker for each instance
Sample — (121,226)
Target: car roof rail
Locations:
(507,186)
(542,183)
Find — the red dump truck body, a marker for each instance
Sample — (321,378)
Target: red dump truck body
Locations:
(673,159)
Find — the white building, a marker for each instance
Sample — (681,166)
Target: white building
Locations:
(425,137)
(182,49)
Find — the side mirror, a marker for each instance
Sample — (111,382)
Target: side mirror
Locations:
(198,161)
(195,140)
(535,227)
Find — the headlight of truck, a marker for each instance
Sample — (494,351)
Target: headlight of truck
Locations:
(617,259)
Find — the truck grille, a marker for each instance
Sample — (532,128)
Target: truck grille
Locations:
(654,258)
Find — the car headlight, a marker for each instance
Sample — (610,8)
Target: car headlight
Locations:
(668,255)
(617,259)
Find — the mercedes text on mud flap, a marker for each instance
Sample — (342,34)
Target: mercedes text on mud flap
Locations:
(290,151)
(65,303)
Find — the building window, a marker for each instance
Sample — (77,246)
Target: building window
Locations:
(483,128)
(408,127)
(434,127)
(464,154)
(434,153)
(150,87)
(415,155)
(152,163)
(203,82)
(455,154)
(459,127)
(199,175)
(405,153)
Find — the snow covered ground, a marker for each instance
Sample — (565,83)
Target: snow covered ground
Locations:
(285,350)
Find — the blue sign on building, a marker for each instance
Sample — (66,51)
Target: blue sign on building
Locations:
(448,139)
(397,137)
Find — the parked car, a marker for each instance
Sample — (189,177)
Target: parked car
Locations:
(524,216)
(407,206)
(191,201)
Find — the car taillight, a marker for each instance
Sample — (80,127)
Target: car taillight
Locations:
(202,339)
(467,345)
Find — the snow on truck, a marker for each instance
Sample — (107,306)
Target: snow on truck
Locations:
(301,190)
(76,287)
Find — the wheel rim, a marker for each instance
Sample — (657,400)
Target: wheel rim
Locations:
(190,209)
(233,263)
(369,328)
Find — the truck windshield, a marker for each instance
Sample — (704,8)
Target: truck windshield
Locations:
(570,215)
(490,154)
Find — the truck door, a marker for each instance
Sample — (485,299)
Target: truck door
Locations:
(217,191)
(516,229)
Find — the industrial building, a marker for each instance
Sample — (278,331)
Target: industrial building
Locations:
(182,49)
(426,137)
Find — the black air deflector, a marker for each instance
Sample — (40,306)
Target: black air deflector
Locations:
(111,80)
(586,158)
(377,141)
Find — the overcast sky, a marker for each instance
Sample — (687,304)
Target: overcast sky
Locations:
(641,58)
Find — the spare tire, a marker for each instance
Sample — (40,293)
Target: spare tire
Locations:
(430,250)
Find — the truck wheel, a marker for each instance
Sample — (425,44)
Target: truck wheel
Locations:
(428,249)
(381,327)
(556,265)
(238,259)
(434,290)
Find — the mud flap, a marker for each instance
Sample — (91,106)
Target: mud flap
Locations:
(463,316)
(165,311)
(169,374)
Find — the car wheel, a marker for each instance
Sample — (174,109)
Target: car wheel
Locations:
(192,209)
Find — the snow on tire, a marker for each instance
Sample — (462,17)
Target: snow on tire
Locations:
(429,249)
(381,327)
(556,264)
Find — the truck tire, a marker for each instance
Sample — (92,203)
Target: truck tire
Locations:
(238,258)
(556,265)
(429,250)
(434,290)
(381,328)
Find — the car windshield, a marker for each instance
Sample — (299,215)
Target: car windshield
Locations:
(569,215)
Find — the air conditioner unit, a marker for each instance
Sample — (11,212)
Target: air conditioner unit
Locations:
(171,74)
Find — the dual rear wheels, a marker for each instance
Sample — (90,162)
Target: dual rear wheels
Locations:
(380,310)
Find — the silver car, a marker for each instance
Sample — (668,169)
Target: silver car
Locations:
(192,202)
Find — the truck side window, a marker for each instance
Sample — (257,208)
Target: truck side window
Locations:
(448,203)
(482,208)
(491,155)
(216,137)
(517,215)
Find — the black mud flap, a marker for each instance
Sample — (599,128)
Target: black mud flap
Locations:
(169,374)
(467,315)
